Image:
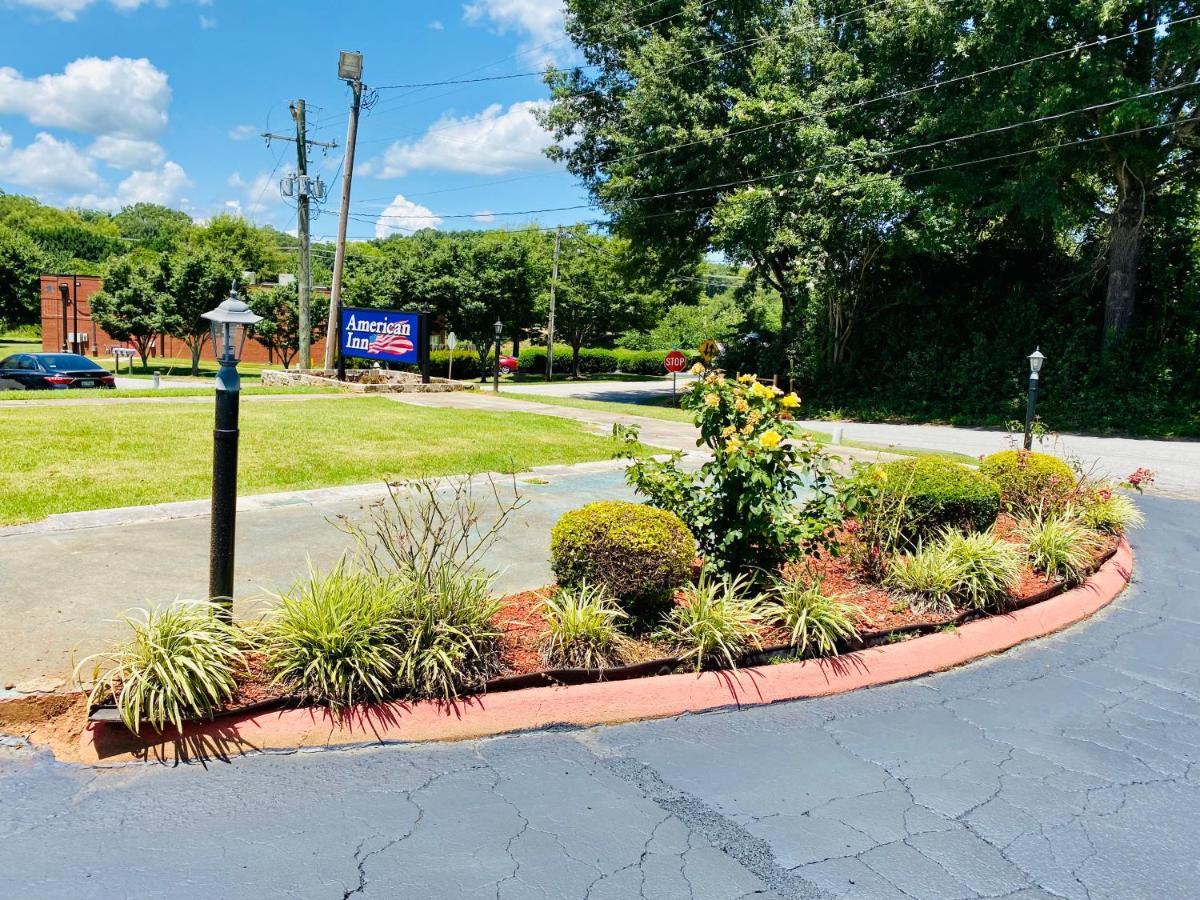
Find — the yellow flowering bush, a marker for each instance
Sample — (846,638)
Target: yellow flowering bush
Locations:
(767,492)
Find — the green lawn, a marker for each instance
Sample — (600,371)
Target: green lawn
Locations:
(167,366)
(161,393)
(92,457)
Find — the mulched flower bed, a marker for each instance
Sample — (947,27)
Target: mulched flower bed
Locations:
(882,617)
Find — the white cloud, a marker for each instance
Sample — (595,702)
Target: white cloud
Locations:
(164,185)
(207,22)
(242,132)
(490,143)
(484,216)
(47,165)
(68,10)
(540,20)
(254,192)
(120,97)
(404,215)
(127,153)
(436,25)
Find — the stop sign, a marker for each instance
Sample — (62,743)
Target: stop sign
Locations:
(675,361)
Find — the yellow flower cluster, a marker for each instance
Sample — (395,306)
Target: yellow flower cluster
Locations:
(771,438)
(789,401)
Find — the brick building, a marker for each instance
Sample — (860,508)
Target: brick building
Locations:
(67,322)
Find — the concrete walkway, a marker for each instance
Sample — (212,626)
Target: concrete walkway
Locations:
(1067,768)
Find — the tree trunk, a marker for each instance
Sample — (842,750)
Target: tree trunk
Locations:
(575,345)
(195,348)
(1124,251)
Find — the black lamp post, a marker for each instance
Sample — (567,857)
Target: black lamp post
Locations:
(231,321)
(1035,365)
(499,326)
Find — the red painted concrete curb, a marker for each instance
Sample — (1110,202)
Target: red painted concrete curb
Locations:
(625,701)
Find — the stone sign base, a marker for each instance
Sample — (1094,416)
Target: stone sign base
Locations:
(363,381)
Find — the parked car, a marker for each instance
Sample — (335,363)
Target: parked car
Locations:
(509,365)
(52,372)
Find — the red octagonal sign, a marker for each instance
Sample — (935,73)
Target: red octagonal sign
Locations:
(675,361)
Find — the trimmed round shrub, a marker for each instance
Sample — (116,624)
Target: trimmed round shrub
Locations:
(931,493)
(639,554)
(1030,481)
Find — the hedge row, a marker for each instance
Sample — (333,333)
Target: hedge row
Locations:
(598,360)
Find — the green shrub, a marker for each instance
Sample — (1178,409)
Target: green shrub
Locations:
(180,662)
(989,569)
(450,643)
(335,638)
(1030,481)
(1108,511)
(810,617)
(716,622)
(928,578)
(932,493)
(638,554)
(582,628)
(1059,545)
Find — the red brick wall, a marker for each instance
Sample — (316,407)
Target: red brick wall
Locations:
(98,342)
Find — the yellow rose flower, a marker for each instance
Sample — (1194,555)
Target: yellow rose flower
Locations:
(733,446)
(791,401)
(771,438)
(741,405)
(755,417)
(747,379)
(728,431)
(759,390)
(697,369)
(711,399)
(747,428)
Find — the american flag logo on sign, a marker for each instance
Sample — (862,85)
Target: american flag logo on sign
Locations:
(395,344)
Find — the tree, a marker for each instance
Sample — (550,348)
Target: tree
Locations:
(154,227)
(279,330)
(130,306)
(242,244)
(20,266)
(196,282)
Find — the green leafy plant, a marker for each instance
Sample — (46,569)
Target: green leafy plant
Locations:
(179,663)
(929,493)
(810,617)
(767,491)
(928,577)
(715,622)
(1059,545)
(582,628)
(450,641)
(1030,481)
(989,569)
(1106,510)
(335,637)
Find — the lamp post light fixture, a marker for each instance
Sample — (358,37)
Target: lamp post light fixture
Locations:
(1035,366)
(230,323)
(499,326)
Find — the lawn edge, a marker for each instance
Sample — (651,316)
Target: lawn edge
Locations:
(608,703)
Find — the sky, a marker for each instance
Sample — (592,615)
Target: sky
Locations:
(104,103)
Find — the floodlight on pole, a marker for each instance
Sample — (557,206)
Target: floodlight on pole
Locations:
(350,65)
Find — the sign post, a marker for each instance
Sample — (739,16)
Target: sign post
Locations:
(675,363)
(379,334)
(451,343)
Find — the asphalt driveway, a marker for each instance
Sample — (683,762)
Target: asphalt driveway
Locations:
(1065,768)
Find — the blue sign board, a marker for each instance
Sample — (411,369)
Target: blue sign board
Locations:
(381,334)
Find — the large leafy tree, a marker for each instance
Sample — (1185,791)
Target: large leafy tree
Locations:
(279,330)
(154,227)
(130,306)
(196,281)
(20,265)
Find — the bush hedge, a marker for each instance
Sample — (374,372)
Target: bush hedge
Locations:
(936,493)
(598,360)
(638,553)
(1030,481)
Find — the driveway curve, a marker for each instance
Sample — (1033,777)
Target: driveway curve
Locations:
(1065,768)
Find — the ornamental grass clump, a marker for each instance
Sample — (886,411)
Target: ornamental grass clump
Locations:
(1106,510)
(1059,545)
(989,569)
(450,641)
(716,622)
(928,578)
(180,663)
(811,618)
(335,638)
(583,628)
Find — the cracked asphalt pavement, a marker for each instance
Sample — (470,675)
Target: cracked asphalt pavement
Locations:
(1064,768)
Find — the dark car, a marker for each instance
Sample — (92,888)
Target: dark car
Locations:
(52,372)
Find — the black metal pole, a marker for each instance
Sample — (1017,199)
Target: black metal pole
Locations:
(1030,408)
(423,324)
(496,374)
(224,491)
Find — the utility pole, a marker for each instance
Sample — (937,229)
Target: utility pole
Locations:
(300,185)
(349,70)
(550,324)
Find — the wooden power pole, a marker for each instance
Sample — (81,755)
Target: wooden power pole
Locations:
(350,71)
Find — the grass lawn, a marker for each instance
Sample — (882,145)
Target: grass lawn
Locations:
(94,457)
(166,366)
(160,393)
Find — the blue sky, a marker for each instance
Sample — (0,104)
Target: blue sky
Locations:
(106,102)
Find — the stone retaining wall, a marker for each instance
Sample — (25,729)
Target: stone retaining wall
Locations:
(392,383)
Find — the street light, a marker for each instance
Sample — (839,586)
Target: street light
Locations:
(230,323)
(1035,365)
(499,326)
